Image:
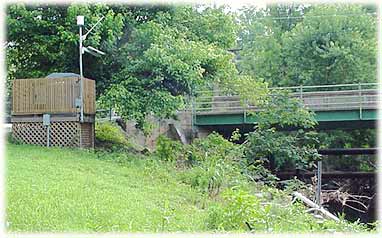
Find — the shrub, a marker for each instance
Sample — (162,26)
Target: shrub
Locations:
(10,139)
(110,133)
(214,146)
(287,150)
(211,176)
(242,211)
(168,149)
(215,164)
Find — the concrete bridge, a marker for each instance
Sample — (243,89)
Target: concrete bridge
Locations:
(342,106)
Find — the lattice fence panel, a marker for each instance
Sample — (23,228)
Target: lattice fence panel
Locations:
(61,133)
(65,134)
(30,133)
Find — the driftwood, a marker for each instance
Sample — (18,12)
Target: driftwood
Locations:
(315,207)
(346,198)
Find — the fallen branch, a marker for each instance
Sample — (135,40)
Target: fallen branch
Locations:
(345,198)
(311,204)
(356,209)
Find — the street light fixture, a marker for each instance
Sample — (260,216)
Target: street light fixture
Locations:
(93,51)
(82,50)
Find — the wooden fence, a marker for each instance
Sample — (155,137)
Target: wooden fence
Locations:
(51,95)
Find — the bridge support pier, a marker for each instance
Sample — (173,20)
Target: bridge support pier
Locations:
(202,132)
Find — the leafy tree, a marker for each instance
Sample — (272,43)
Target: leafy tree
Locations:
(44,38)
(339,47)
(295,44)
(269,145)
(286,16)
(260,39)
(168,57)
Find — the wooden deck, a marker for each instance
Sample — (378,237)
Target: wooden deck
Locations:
(51,95)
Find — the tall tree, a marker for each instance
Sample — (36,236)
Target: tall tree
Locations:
(44,38)
(260,39)
(168,57)
(320,44)
(334,44)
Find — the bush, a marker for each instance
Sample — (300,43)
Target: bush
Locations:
(242,211)
(214,146)
(214,164)
(168,149)
(286,150)
(110,134)
(10,139)
(211,176)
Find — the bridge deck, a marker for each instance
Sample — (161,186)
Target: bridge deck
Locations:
(347,102)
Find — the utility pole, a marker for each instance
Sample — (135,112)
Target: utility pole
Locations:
(82,49)
(80,23)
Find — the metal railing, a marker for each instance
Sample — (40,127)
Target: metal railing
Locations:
(106,115)
(316,98)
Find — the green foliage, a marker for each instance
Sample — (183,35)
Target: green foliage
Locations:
(110,133)
(362,138)
(294,184)
(270,147)
(287,150)
(214,145)
(251,91)
(168,149)
(243,211)
(235,135)
(260,38)
(334,49)
(294,44)
(11,139)
(168,57)
(256,170)
(44,39)
(282,110)
(210,177)
(155,55)
(215,164)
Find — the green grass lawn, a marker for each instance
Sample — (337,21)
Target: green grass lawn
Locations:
(72,190)
(51,190)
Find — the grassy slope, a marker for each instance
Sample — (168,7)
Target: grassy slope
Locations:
(70,190)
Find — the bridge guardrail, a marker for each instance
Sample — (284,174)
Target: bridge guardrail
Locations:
(317,98)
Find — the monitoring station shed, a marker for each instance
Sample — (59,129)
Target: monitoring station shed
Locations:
(46,111)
